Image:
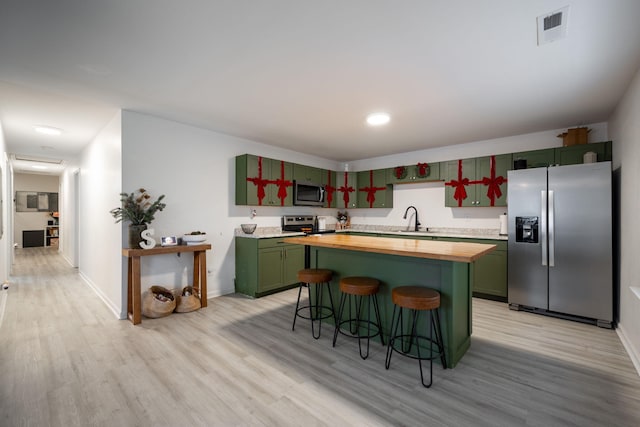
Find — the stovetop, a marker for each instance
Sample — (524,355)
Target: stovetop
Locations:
(307,224)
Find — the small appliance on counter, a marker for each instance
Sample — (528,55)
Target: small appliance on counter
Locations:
(308,224)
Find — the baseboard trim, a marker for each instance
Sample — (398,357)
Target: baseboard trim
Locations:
(631,350)
(102,296)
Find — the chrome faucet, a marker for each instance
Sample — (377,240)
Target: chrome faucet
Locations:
(405,216)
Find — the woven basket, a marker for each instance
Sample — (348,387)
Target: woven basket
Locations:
(153,307)
(187,301)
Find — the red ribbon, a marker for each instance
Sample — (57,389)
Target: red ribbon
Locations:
(259,182)
(460,193)
(371,190)
(493,183)
(282,184)
(422,168)
(345,190)
(329,189)
(399,171)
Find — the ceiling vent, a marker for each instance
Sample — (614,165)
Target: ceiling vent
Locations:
(24,158)
(553,26)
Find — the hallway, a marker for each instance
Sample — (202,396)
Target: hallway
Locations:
(66,361)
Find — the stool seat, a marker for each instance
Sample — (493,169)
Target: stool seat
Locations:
(315,275)
(359,285)
(416,297)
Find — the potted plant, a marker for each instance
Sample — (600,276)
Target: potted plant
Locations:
(139,210)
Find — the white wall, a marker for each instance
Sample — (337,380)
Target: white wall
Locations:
(100,240)
(33,220)
(5,212)
(624,128)
(195,169)
(428,198)
(69,219)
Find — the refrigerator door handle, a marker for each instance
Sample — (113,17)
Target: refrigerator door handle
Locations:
(543,226)
(552,251)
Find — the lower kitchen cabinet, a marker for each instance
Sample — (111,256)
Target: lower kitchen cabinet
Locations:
(264,266)
(489,273)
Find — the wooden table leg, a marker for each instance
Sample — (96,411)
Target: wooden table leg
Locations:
(196,272)
(203,279)
(136,306)
(129,289)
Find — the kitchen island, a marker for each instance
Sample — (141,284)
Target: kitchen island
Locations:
(443,266)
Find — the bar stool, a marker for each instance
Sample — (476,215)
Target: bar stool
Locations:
(357,288)
(319,277)
(416,299)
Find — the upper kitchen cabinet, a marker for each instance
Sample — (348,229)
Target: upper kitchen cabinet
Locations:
(574,154)
(263,182)
(536,158)
(330,187)
(413,173)
(307,173)
(373,191)
(347,190)
(476,182)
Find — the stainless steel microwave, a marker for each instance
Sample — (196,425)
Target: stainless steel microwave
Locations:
(308,194)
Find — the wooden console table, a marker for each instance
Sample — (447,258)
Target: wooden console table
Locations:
(133,275)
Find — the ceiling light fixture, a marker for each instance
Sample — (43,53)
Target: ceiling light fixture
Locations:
(47,130)
(378,119)
(39,167)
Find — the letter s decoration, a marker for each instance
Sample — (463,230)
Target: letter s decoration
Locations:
(149,242)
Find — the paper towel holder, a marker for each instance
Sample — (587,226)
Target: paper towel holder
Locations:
(503,225)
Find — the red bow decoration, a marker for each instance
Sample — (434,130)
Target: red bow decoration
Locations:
(460,193)
(371,190)
(282,184)
(345,190)
(329,189)
(400,172)
(493,183)
(259,182)
(422,168)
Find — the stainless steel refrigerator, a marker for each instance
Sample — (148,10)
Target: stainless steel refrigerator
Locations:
(560,241)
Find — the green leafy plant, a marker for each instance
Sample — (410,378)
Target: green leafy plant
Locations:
(137,208)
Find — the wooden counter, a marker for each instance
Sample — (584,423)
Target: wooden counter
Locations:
(443,266)
(133,277)
(431,249)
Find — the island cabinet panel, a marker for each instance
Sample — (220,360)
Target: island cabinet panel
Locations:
(477,182)
(330,187)
(419,172)
(373,191)
(261,181)
(450,278)
(489,273)
(347,190)
(265,266)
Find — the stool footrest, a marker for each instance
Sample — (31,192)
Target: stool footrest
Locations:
(375,333)
(436,352)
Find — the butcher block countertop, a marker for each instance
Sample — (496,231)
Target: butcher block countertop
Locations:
(431,249)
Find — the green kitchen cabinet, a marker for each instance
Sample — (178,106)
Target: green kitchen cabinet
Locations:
(413,173)
(477,182)
(263,182)
(574,154)
(373,191)
(489,273)
(307,173)
(347,190)
(264,266)
(328,179)
(536,158)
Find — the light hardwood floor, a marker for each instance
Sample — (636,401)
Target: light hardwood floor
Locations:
(66,361)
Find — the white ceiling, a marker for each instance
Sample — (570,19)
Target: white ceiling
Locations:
(303,75)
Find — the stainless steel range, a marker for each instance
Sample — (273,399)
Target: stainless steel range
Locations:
(307,224)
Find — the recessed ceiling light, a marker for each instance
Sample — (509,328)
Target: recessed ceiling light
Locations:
(47,130)
(39,167)
(378,119)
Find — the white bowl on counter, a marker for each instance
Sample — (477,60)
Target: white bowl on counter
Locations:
(194,239)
